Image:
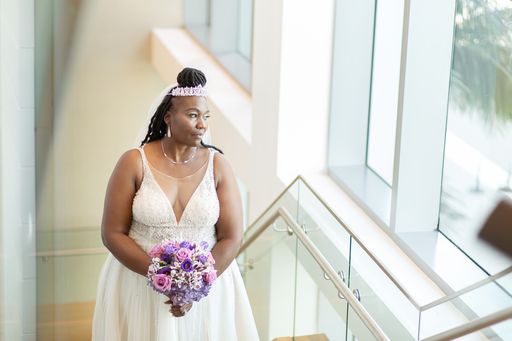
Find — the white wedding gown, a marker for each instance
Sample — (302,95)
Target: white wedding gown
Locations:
(127,309)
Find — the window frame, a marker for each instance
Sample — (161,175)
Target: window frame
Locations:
(409,210)
(218,31)
(412,201)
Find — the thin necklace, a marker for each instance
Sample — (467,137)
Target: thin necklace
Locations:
(176,162)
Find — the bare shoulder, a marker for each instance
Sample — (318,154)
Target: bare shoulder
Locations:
(129,165)
(222,168)
(131,159)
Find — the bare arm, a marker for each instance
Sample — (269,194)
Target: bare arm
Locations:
(229,226)
(117,213)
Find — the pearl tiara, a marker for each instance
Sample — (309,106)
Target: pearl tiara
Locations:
(189,91)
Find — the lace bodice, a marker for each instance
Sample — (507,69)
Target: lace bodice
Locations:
(153,218)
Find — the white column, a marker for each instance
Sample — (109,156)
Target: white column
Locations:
(421,120)
(17,171)
(266,77)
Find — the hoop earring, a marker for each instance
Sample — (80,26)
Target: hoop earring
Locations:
(169,131)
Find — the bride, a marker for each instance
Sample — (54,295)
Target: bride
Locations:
(174,186)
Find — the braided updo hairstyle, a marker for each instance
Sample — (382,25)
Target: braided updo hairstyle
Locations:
(188,77)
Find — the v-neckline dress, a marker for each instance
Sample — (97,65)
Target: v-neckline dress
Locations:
(127,309)
(207,176)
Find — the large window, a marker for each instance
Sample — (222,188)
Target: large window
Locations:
(384,92)
(478,153)
(364,97)
(225,28)
(421,118)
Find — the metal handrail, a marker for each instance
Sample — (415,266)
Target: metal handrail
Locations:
(72,252)
(259,231)
(467,289)
(340,221)
(472,326)
(462,330)
(383,267)
(358,308)
(374,258)
(370,254)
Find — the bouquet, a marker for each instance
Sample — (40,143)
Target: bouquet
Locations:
(183,271)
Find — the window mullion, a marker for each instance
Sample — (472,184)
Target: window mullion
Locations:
(421,120)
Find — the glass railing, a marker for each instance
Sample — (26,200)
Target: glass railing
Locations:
(292,295)
(271,282)
(383,300)
(319,307)
(68,267)
(470,305)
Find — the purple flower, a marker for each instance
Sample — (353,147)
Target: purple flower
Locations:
(156,251)
(179,298)
(204,245)
(161,282)
(202,258)
(166,270)
(182,254)
(187,265)
(209,277)
(170,249)
(167,258)
(186,245)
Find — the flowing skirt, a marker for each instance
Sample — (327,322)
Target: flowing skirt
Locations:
(127,309)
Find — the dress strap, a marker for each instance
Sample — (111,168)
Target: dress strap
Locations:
(211,170)
(144,159)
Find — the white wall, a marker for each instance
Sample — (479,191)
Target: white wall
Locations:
(105,94)
(17,171)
